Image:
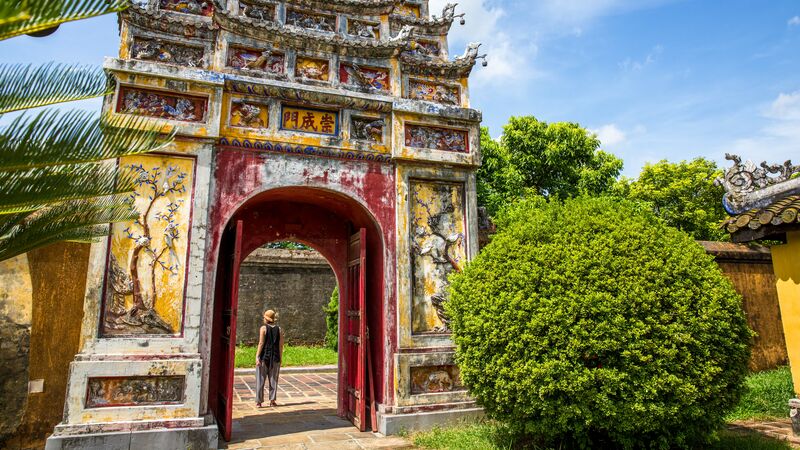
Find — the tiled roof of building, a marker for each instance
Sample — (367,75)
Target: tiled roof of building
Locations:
(781,212)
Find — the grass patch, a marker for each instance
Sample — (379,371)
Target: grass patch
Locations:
(491,436)
(766,396)
(292,356)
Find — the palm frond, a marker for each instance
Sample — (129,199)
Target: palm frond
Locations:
(53,137)
(29,190)
(43,14)
(73,220)
(25,86)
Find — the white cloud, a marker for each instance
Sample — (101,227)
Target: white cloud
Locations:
(785,107)
(610,135)
(631,65)
(508,59)
(794,21)
(779,138)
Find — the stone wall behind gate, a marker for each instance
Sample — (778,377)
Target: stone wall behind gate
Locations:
(295,283)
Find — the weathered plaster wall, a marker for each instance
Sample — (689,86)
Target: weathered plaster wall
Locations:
(295,283)
(786,259)
(58,277)
(15,322)
(751,272)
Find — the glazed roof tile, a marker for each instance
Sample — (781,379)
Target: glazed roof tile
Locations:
(781,212)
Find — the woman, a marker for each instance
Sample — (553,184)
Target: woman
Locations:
(268,358)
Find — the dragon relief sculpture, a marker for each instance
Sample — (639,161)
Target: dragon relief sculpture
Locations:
(746,178)
(367,129)
(167,52)
(247,115)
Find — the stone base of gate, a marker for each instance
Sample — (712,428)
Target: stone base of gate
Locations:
(394,420)
(197,438)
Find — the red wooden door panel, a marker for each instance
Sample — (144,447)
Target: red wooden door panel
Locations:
(356,330)
(228,336)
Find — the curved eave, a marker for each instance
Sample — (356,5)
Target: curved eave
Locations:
(185,25)
(759,223)
(357,7)
(459,68)
(438,27)
(299,38)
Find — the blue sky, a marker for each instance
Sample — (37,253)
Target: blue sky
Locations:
(656,79)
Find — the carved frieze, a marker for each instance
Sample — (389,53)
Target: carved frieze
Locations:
(308,120)
(311,21)
(435,379)
(446,139)
(369,129)
(196,7)
(146,272)
(460,67)
(438,248)
(408,9)
(167,52)
(307,150)
(423,49)
(134,391)
(308,96)
(268,61)
(433,92)
(184,25)
(368,78)
(249,115)
(144,102)
(312,69)
(363,29)
(264,12)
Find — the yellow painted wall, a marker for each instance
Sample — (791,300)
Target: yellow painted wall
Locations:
(786,260)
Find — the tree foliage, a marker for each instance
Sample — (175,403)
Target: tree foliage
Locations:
(332,321)
(58,180)
(592,323)
(557,160)
(683,194)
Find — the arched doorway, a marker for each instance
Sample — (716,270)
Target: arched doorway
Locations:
(350,239)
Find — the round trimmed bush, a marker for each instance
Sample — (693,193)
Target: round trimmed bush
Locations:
(591,323)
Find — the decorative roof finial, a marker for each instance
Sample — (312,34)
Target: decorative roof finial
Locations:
(743,180)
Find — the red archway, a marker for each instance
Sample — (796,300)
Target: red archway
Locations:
(325,221)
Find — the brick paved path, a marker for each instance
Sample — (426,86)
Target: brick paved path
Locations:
(304,419)
(776,429)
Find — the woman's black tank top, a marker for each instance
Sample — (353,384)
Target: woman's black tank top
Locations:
(271,352)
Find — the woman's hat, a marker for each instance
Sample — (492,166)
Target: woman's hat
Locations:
(269,316)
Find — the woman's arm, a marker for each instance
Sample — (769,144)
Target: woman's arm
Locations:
(261,333)
(281,345)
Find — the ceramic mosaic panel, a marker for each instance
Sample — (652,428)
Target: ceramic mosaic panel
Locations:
(309,120)
(311,21)
(436,138)
(143,102)
(438,248)
(147,260)
(367,129)
(264,60)
(362,29)
(312,69)
(408,9)
(433,92)
(198,7)
(249,115)
(365,77)
(424,49)
(435,379)
(134,391)
(167,52)
(257,11)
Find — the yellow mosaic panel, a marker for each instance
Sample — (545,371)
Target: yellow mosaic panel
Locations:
(146,274)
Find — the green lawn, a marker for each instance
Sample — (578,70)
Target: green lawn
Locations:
(292,356)
(766,396)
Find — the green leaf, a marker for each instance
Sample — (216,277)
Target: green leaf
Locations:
(25,86)
(24,17)
(53,137)
(80,220)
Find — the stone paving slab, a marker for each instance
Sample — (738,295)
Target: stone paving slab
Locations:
(305,417)
(776,429)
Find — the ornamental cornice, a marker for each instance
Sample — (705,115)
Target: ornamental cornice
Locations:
(301,38)
(433,26)
(355,7)
(186,25)
(460,67)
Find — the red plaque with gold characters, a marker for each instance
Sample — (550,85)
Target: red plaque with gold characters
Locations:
(309,120)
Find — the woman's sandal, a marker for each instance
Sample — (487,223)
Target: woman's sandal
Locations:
(259,405)
(273,403)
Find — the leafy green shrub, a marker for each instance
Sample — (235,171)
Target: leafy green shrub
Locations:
(332,321)
(592,323)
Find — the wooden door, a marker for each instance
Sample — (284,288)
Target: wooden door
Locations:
(227,335)
(355,311)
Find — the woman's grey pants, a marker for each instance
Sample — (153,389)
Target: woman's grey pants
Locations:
(262,374)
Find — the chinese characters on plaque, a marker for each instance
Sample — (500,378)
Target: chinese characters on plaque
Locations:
(310,120)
